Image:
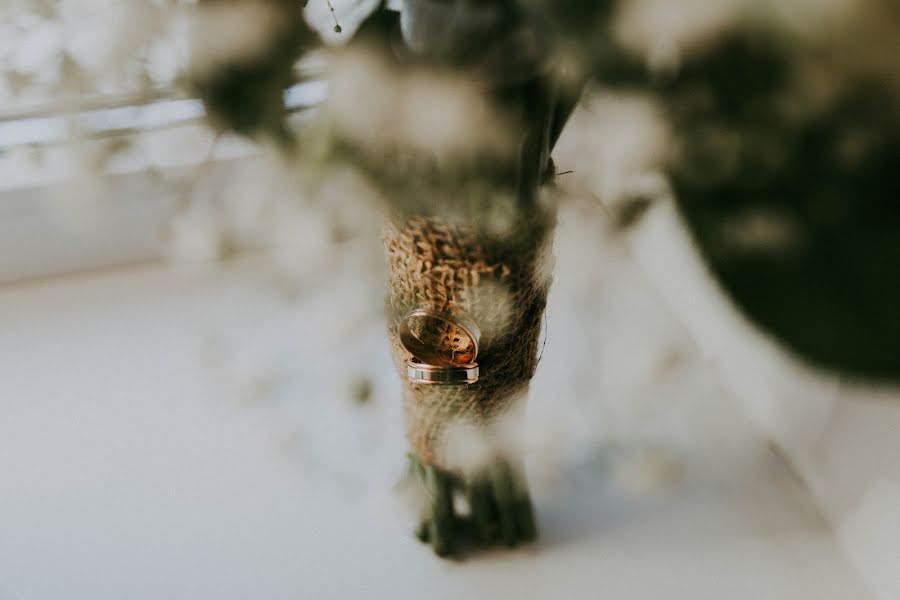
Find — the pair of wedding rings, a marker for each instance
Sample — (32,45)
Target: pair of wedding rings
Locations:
(443,345)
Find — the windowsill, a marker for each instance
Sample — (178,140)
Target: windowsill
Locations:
(56,218)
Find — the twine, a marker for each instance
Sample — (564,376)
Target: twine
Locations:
(501,283)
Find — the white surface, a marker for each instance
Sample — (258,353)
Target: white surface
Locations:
(841,437)
(186,434)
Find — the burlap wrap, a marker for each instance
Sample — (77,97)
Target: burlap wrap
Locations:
(501,284)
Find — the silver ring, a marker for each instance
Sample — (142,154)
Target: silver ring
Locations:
(427,353)
(419,372)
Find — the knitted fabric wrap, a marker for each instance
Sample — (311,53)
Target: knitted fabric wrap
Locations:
(501,284)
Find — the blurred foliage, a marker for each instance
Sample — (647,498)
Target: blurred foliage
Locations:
(245,93)
(820,187)
(790,192)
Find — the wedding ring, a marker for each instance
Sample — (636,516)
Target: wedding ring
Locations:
(419,372)
(440,338)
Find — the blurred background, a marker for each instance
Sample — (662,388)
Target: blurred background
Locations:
(196,392)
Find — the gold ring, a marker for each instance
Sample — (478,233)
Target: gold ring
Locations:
(454,340)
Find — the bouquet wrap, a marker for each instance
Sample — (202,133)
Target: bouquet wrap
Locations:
(501,283)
